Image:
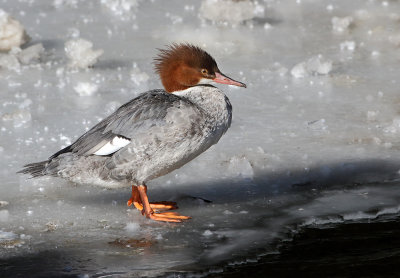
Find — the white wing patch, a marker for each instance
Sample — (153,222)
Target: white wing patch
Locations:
(114,145)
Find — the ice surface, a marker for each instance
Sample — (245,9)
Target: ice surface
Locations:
(137,76)
(319,149)
(121,8)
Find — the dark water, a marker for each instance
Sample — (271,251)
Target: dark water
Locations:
(349,249)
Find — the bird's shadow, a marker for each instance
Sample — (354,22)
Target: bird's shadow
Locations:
(340,175)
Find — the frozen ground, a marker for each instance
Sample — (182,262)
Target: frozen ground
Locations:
(314,139)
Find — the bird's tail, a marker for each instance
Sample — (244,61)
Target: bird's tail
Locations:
(36,169)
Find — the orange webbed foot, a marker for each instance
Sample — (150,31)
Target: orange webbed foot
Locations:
(152,210)
(164,205)
(169,217)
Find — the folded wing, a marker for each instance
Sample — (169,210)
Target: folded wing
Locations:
(117,130)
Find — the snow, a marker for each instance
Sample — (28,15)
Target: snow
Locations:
(314,137)
(12,33)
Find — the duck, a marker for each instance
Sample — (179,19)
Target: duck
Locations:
(153,134)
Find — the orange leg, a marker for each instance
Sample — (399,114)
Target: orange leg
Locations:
(136,201)
(148,211)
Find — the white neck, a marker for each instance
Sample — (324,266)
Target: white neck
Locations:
(211,100)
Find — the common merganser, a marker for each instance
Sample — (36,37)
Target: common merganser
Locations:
(153,134)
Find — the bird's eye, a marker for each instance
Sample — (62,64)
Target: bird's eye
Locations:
(204,71)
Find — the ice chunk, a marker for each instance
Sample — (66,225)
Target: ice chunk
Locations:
(31,53)
(299,70)
(3,204)
(18,56)
(81,54)
(207,233)
(12,33)
(240,166)
(230,11)
(86,88)
(348,46)
(315,65)
(341,24)
(319,65)
(394,127)
(9,61)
